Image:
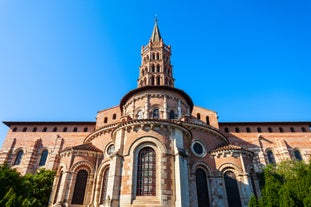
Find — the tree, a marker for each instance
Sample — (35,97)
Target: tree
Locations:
(286,185)
(24,191)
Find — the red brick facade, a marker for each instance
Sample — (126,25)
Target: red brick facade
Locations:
(155,149)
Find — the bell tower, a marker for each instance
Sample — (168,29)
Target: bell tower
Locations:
(156,68)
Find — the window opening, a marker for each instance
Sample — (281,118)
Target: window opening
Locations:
(43,158)
(232,189)
(104,185)
(80,187)
(198,116)
(202,189)
(156,114)
(75,129)
(85,129)
(65,129)
(18,158)
(146,172)
(258,129)
(34,129)
(44,129)
(172,114)
(248,129)
(207,120)
(297,155)
(270,155)
(281,129)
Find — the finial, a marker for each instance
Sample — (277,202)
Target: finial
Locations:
(156,18)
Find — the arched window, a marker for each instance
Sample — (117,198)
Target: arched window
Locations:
(202,189)
(25,129)
(198,116)
(158,56)
(297,155)
(226,129)
(258,129)
(270,156)
(105,120)
(85,129)
(281,129)
(14,129)
(114,116)
(158,80)
(140,114)
(75,129)
(19,157)
(152,68)
(207,120)
(172,114)
(156,114)
(158,68)
(104,185)
(58,186)
(43,158)
(237,129)
(80,187)
(292,129)
(232,189)
(270,129)
(152,80)
(146,172)
(44,129)
(248,129)
(65,129)
(34,129)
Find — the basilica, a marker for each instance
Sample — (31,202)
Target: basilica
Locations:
(155,149)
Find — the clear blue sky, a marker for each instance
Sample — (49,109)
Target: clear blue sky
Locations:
(64,60)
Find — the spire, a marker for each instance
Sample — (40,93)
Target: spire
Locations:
(156,68)
(156,36)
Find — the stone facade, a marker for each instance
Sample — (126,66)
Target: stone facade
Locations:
(154,149)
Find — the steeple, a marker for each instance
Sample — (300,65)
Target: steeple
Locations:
(156,68)
(156,36)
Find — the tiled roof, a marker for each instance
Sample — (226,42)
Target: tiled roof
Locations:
(86,146)
(229,148)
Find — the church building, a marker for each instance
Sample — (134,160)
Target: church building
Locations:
(155,149)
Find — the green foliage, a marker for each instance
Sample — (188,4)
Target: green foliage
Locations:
(287,184)
(23,191)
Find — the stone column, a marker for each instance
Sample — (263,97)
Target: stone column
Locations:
(146,114)
(181,170)
(165,108)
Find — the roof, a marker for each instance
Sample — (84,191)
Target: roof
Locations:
(86,146)
(155,36)
(229,148)
(10,123)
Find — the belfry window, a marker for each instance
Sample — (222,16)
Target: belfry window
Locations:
(232,189)
(80,187)
(19,157)
(156,114)
(146,172)
(43,158)
(202,189)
